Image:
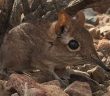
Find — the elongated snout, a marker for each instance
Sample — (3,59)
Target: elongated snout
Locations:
(100,63)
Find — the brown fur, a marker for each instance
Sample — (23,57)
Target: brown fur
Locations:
(36,45)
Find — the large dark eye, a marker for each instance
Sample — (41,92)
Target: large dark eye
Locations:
(73,44)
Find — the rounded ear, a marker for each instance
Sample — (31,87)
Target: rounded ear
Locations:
(80,18)
(63,19)
(52,32)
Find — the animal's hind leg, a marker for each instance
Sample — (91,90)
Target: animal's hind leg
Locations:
(15,51)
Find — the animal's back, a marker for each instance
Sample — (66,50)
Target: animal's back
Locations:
(19,45)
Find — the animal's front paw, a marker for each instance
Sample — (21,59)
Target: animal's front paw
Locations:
(64,82)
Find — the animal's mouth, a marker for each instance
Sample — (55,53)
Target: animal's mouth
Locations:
(75,61)
(70,60)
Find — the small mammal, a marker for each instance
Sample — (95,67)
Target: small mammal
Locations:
(49,46)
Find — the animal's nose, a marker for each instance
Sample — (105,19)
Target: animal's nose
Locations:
(73,44)
(100,63)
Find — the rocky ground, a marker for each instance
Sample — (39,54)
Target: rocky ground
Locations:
(35,84)
(94,81)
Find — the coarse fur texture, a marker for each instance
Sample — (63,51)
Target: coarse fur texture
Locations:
(44,45)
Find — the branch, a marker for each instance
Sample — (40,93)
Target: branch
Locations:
(35,4)
(26,7)
(16,13)
(79,5)
(5,18)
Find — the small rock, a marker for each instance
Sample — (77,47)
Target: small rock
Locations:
(79,89)
(107,83)
(108,60)
(90,16)
(107,34)
(100,54)
(15,94)
(98,93)
(54,82)
(98,74)
(108,91)
(52,90)
(86,67)
(103,87)
(80,73)
(22,83)
(34,92)
(104,59)
(103,19)
(89,26)
(95,33)
(104,46)
(108,88)
(3,92)
(49,0)
(105,31)
(26,86)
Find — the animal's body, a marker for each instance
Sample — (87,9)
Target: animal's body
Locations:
(49,46)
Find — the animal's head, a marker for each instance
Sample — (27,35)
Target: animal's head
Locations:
(72,43)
